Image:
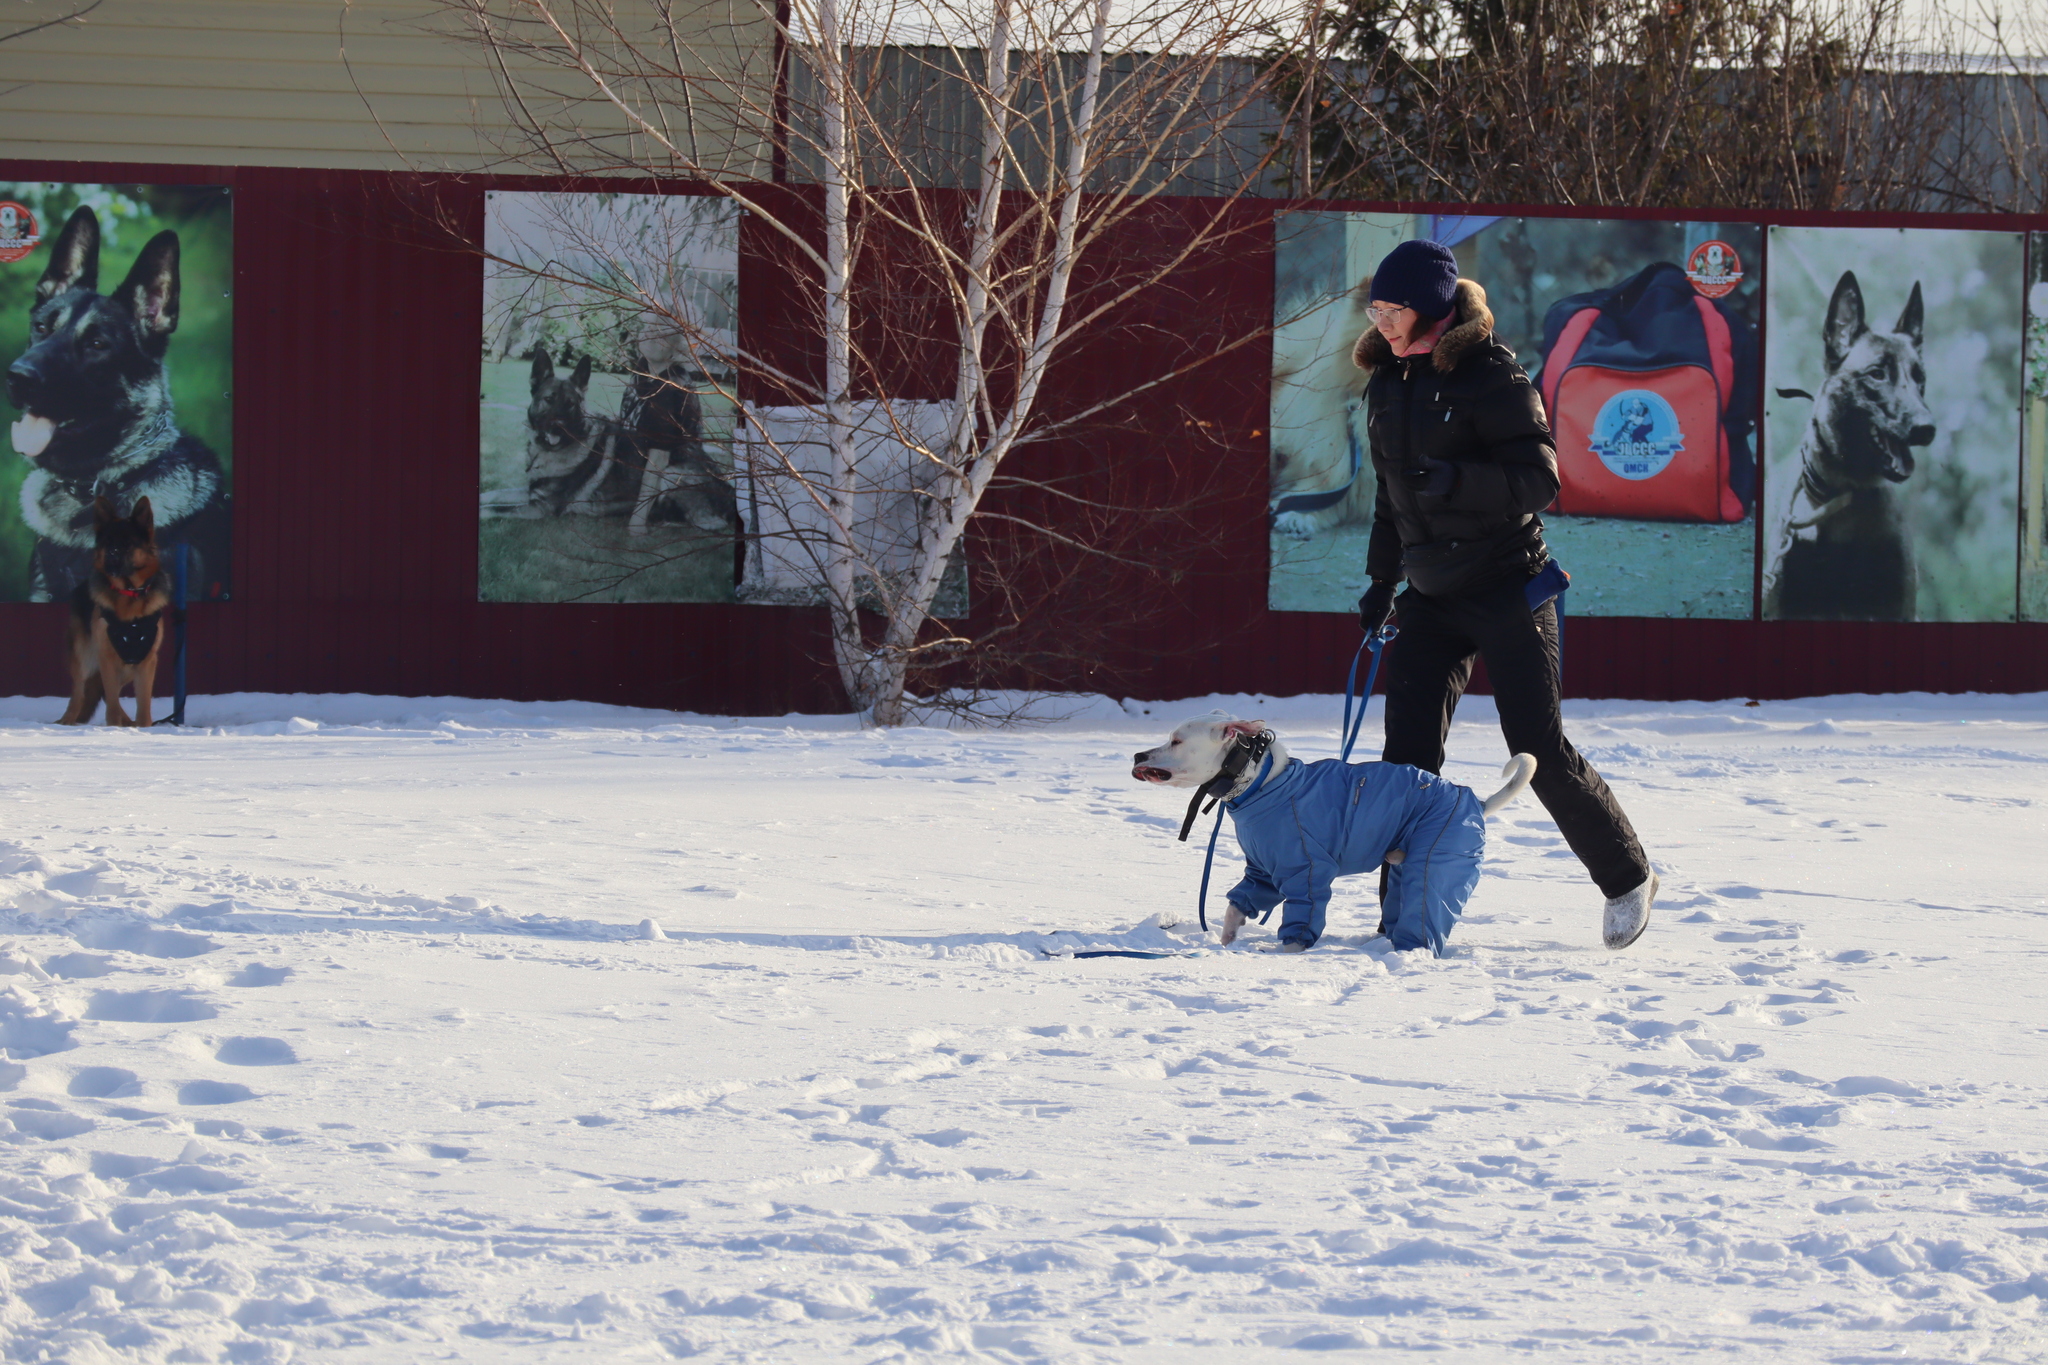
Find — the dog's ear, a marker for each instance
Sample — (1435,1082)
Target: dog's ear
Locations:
(1244,727)
(1845,320)
(144,517)
(151,290)
(581,378)
(103,512)
(1913,320)
(543,368)
(75,259)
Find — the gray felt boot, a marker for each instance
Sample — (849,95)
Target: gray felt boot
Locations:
(1629,914)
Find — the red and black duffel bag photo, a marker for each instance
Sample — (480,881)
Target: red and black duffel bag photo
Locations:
(1651,391)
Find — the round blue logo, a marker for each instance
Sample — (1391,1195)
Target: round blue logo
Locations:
(1637,434)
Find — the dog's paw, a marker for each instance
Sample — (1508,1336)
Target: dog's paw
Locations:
(1294,526)
(1233,920)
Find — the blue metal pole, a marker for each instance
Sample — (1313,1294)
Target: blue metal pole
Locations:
(177,716)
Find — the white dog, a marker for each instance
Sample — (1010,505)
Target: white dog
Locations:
(1302,825)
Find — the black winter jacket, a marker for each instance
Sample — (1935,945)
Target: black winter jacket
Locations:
(1467,402)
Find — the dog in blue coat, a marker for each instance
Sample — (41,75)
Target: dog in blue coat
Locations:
(1303,825)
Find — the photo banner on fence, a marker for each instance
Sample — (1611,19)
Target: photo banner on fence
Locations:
(1892,426)
(2034,465)
(606,470)
(1642,338)
(117,331)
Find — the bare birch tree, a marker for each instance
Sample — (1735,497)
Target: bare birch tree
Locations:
(986,154)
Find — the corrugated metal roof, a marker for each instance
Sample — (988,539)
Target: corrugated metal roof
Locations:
(934,120)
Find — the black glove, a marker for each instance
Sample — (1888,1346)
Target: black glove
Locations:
(1433,478)
(1376,606)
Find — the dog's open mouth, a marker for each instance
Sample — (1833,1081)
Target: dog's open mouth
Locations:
(1145,773)
(32,434)
(1898,463)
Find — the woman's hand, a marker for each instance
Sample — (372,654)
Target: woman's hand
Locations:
(1376,606)
(1432,478)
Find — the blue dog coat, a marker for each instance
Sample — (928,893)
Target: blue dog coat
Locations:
(1311,823)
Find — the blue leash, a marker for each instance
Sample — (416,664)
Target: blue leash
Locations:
(1208,861)
(178,619)
(1375,641)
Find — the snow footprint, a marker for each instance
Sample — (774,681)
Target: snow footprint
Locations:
(255,1052)
(104,1083)
(149,1007)
(1758,931)
(146,940)
(213,1092)
(30,1029)
(46,1120)
(78,966)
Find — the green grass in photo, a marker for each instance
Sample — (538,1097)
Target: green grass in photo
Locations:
(1618,568)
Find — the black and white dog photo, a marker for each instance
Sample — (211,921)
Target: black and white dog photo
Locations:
(1844,549)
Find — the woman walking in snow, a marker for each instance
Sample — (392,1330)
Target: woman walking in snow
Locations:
(1464,459)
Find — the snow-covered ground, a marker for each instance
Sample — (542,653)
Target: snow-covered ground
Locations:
(332,1034)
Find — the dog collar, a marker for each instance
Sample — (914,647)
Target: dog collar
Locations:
(1248,750)
(1818,497)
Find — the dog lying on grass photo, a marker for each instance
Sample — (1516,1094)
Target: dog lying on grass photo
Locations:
(117,617)
(1303,825)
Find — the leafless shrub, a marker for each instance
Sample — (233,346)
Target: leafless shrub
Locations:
(1763,104)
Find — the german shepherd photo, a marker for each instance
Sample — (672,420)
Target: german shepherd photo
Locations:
(117,617)
(97,418)
(565,444)
(607,405)
(647,465)
(1892,424)
(1844,549)
(660,446)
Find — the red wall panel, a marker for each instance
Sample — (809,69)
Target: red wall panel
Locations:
(356,374)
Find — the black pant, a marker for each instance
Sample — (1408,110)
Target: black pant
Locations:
(1427,669)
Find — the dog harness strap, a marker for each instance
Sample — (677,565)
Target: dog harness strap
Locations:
(1247,748)
(132,640)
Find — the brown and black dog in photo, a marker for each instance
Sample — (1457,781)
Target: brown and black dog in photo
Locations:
(117,617)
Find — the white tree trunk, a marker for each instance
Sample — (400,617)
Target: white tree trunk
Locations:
(913,600)
(855,661)
(960,490)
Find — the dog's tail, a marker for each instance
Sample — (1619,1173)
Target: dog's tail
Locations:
(1519,770)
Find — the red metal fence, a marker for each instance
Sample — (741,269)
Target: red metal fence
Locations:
(355,491)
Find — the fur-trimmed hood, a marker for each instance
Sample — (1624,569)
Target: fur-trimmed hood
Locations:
(1471,325)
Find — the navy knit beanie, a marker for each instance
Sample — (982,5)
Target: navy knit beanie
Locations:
(1420,275)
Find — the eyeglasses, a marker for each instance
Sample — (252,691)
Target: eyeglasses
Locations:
(1385,314)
